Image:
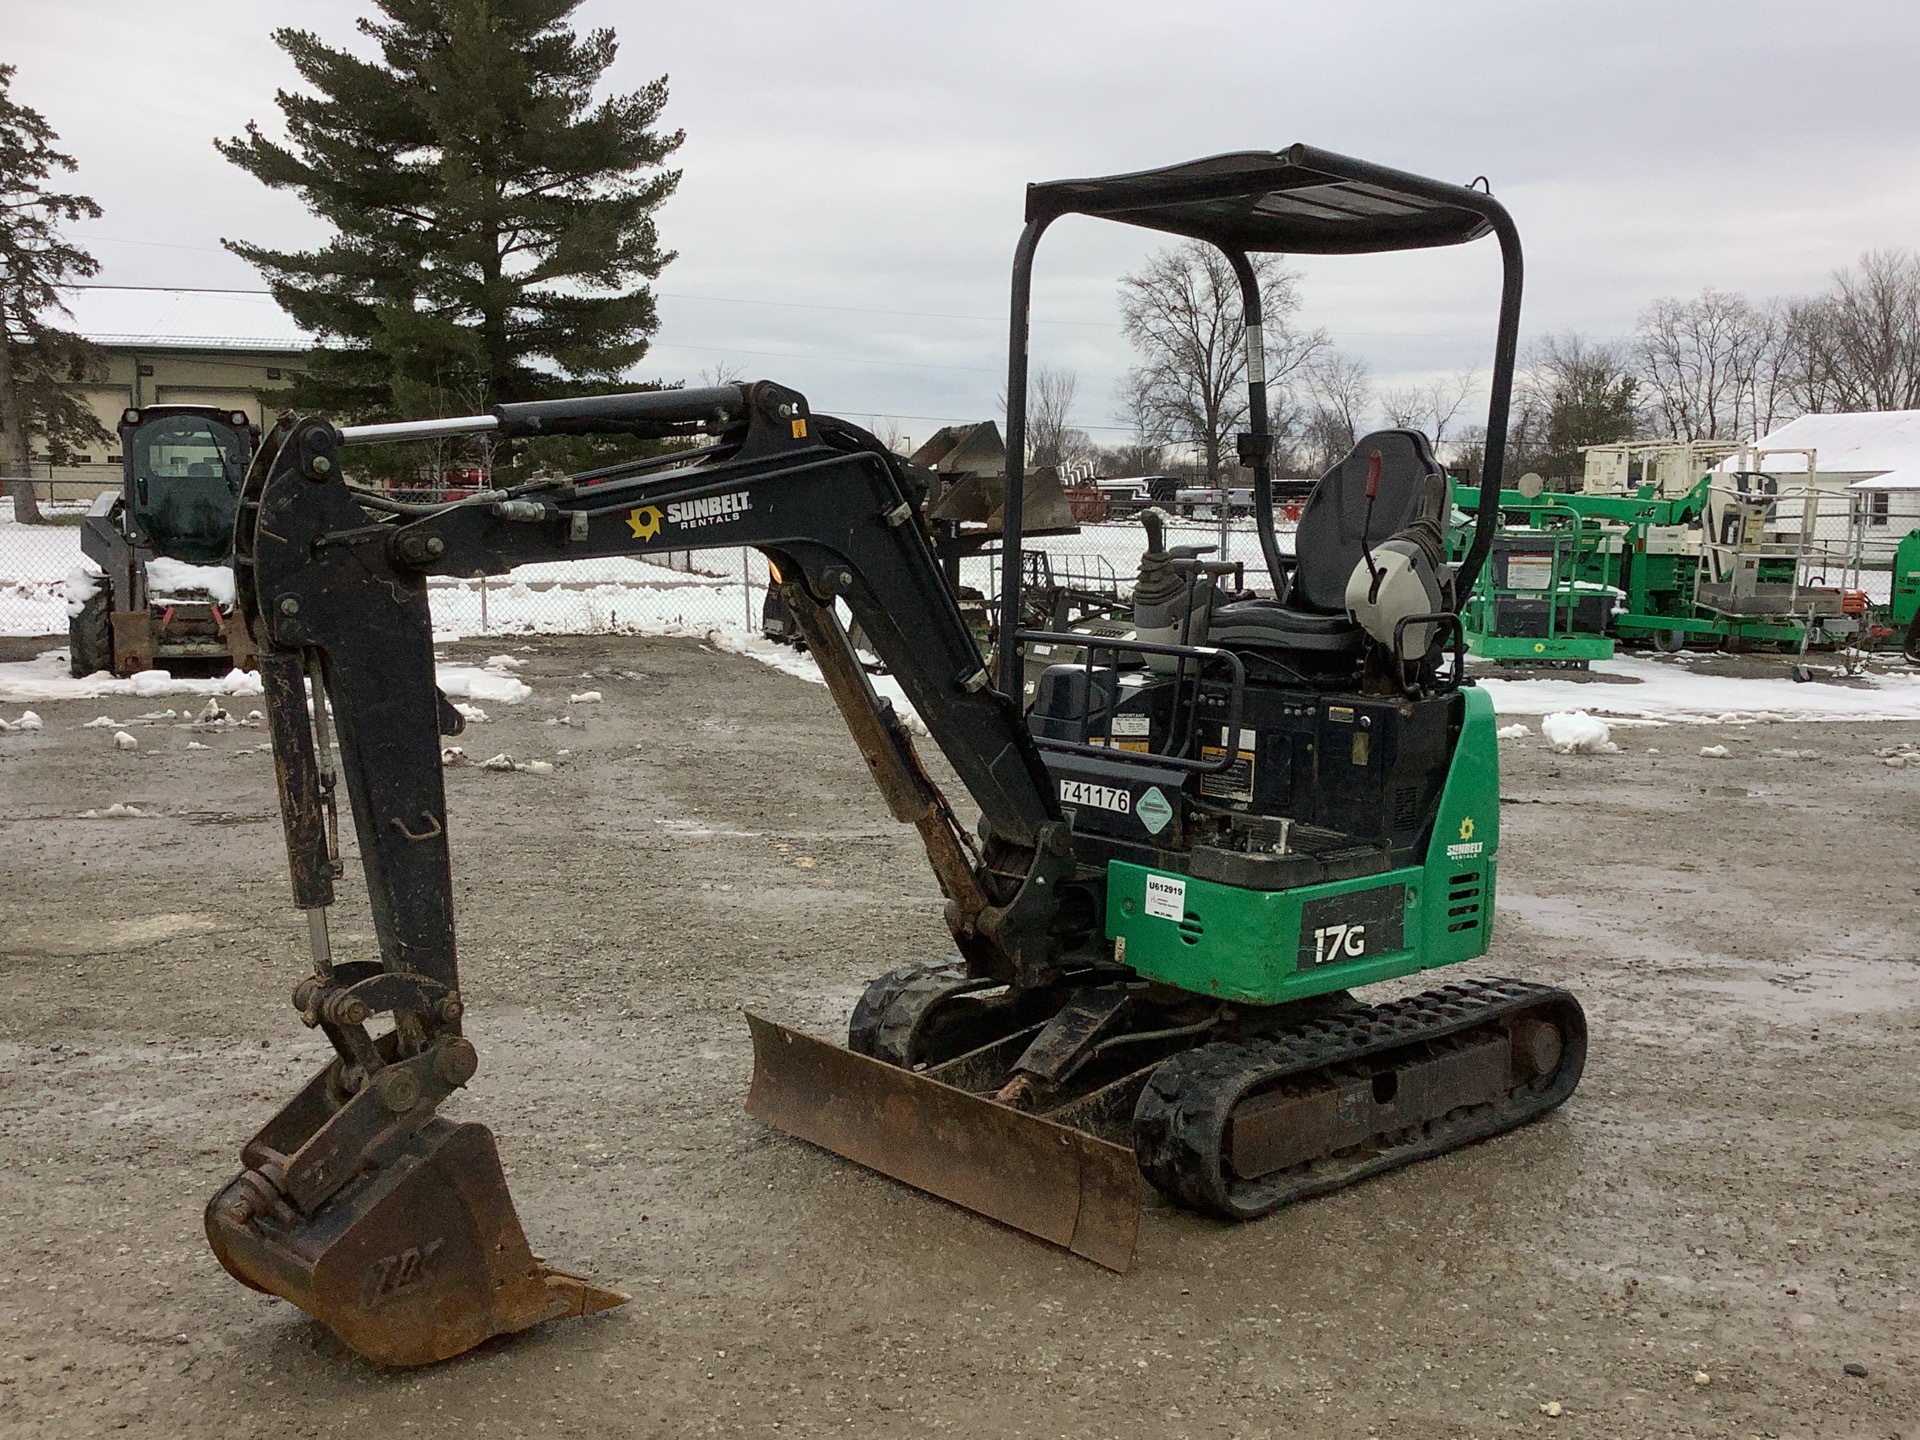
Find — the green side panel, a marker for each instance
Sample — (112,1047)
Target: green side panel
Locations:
(1906,580)
(1268,946)
(1554,647)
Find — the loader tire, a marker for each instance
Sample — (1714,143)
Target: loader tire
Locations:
(90,636)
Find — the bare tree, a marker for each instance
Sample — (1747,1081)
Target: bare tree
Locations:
(886,430)
(1431,408)
(1703,360)
(1857,347)
(1050,432)
(1338,399)
(1182,311)
(1571,393)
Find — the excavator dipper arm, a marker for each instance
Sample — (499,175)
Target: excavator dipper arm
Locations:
(358,1202)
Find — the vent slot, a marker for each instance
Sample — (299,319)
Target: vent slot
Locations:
(1406,807)
(1191,929)
(1463,903)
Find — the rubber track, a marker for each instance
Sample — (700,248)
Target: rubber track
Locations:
(883,1028)
(1181,1121)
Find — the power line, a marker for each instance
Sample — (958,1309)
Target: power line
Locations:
(783,305)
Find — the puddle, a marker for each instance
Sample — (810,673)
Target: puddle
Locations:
(106,937)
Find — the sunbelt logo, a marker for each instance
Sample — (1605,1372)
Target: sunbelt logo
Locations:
(1467,847)
(713,510)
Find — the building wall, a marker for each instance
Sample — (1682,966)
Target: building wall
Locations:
(138,376)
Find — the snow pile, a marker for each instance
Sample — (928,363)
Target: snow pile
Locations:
(507,762)
(1575,732)
(123,741)
(117,811)
(585,697)
(1513,732)
(475,684)
(472,714)
(83,582)
(46,678)
(1715,752)
(27,721)
(177,580)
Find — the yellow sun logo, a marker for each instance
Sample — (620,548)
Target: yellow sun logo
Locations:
(644,522)
(1466,828)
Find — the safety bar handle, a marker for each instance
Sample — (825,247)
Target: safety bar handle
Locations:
(1205,654)
(1447,620)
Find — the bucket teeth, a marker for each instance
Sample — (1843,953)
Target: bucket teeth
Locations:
(582,1296)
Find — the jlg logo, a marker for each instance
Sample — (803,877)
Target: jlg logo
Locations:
(1335,942)
(392,1275)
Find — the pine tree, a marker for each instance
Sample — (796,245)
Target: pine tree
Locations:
(493,223)
(38,361)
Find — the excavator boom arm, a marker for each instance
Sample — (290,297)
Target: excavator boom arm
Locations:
(357,1189)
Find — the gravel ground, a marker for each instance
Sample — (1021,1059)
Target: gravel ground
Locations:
(1720,1219)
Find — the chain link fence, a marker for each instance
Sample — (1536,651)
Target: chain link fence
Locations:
(1842,541)
(674,592)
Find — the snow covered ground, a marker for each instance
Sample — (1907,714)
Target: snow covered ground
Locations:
(1665,690)
(719,602)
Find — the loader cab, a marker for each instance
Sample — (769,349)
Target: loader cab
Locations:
(183,467)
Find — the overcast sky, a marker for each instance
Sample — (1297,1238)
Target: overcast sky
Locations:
(855,170)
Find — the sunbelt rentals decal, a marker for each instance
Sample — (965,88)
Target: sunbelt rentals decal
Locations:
(647,521)
(1467,847)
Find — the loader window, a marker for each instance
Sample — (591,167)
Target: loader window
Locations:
(186,473)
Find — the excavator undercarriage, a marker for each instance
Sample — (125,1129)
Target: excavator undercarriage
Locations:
(1197,834)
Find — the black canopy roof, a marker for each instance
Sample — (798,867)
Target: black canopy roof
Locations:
(1300,199)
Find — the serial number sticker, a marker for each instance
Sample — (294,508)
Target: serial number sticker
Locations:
(1166,898)
(1100,797)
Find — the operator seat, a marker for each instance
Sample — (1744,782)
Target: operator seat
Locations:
(1311,618)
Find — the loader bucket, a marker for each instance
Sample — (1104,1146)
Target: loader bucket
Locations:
(1061,1184)
(415,1261)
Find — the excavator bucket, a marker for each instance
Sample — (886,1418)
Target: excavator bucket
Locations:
(415,1260)
(1061,1184)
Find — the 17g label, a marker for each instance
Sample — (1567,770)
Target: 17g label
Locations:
(1359,926)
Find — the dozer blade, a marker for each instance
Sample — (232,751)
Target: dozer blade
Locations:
(415,1261)
(1060,1184)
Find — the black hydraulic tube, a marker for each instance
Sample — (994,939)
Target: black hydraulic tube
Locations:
(1257,419)
(1011,677)
(714,406)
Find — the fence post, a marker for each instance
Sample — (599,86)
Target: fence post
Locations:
(485,627)
(746,585)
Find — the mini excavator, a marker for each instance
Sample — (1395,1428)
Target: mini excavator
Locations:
(1197,836)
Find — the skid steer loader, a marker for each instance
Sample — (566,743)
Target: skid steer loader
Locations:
(1195,842)
(162,546)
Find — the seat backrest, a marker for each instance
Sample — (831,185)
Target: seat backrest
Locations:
(1328,542)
